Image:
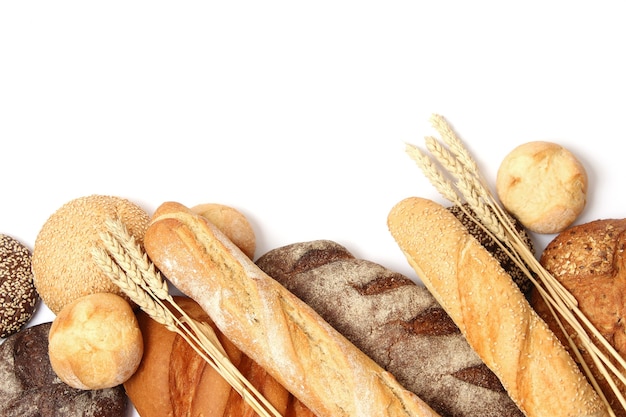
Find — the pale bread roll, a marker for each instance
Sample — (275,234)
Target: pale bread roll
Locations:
(95,342)
(269,324)
(232,223)
(491,312)
(543,185)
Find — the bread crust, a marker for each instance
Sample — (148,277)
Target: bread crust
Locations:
(588,259)
(396,322)
(491,312)
(269,324)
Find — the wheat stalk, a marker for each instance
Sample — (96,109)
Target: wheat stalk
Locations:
(123,260)
(455,175)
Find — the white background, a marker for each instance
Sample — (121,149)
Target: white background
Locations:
(296,113)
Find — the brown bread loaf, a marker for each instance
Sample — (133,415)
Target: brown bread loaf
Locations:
(396,322)
(588,259)
(30,388)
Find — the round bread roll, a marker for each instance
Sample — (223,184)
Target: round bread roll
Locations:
(62,264)
(29,386)
(588,259)
(95,342)
(232,223)
(18,296)
(543,185)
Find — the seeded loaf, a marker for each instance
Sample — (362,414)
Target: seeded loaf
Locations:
(588,259)
(396,322)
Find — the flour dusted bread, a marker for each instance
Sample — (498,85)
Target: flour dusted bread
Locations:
(588,259)
(269,324)
(396,322)
(95,342)
(497,321)
(173,380)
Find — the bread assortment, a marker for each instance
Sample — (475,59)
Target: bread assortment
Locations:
(588,259)
(316,330)
(396,322)
(269,324)
(491,312)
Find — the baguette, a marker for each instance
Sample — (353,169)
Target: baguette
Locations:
(396,322)
(492,313)
(269,324)
(173,380)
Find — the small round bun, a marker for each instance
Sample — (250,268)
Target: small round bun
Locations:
(232,223)
(62,263)
(95,342)
(18,296)
(543,185)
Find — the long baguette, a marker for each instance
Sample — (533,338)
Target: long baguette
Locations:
(269,324)
(491,312)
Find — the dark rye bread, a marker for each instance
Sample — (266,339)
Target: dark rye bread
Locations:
(394,321)
(30,388)
(465,215)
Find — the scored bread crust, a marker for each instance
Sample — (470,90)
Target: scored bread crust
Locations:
(491,312)
(271,325)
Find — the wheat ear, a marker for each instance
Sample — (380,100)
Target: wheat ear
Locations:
(464,182)
(123,260)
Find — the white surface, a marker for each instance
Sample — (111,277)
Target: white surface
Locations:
(296,114)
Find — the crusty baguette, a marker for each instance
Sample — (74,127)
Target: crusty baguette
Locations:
(173,380)
(271,325)
(396,322)
(492,313)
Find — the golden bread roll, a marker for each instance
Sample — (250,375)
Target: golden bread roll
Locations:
(62,264)
(269,324)
(173,380)
(95,342)
(491,312)
(588,259)
(543,185)
(232,223)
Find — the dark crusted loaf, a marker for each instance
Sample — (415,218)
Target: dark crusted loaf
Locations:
(394,321)
(30,388)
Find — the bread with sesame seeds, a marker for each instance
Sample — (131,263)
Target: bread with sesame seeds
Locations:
(18,296)
(269,324)
(491,312)
(62,263)
(588,259)
(396,322)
